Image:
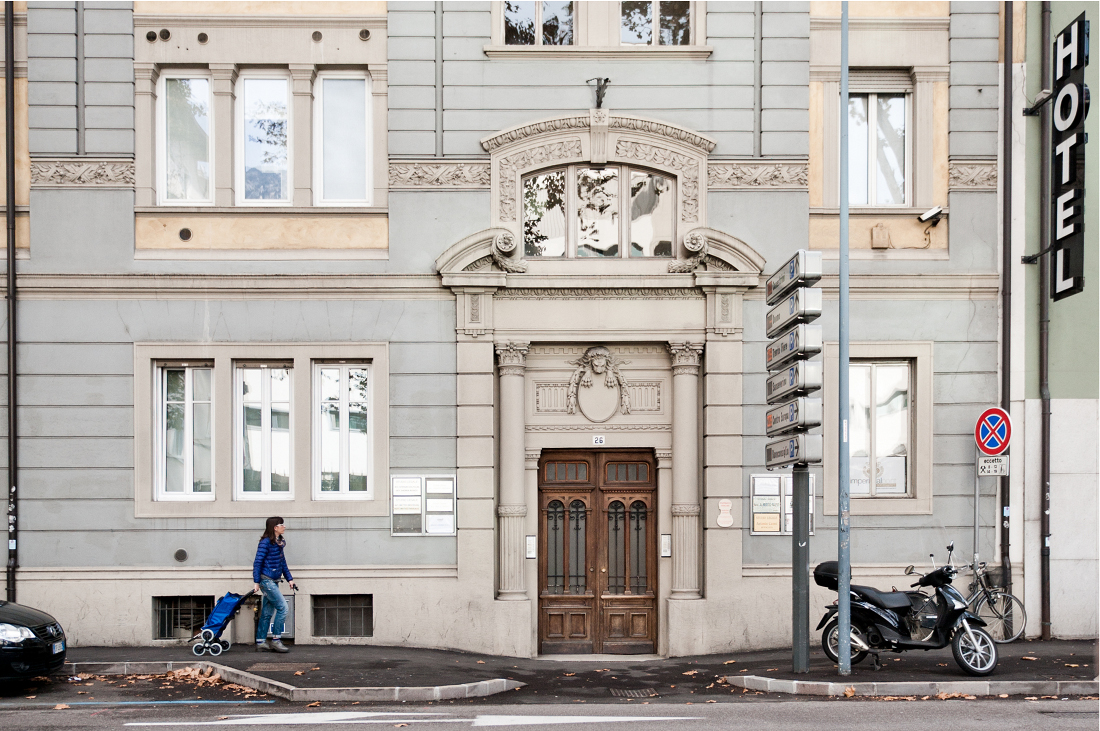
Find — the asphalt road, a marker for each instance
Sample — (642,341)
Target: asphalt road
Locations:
(786,715)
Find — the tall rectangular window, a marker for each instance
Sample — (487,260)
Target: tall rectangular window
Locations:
(877,150)
(342,128)
(263,447)
(343,442)
(880,425)
(185,433)
(538,23)
(673,23)
(263,155)
(185,150)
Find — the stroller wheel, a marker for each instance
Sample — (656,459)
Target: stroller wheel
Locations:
(226,644)
(199,649)
(215,649)
(207,635)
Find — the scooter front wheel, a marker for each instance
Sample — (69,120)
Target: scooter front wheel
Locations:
(974,651)
(830,638)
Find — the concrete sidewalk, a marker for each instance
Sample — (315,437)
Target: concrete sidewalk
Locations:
(371,673)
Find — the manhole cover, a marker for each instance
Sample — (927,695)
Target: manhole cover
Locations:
(280,667)
(634,692)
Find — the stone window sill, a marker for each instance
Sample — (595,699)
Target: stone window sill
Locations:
(695,53)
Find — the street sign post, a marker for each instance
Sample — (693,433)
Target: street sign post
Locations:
(992,435)
(795,304)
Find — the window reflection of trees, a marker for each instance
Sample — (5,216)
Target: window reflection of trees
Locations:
(521,18)
(188,138)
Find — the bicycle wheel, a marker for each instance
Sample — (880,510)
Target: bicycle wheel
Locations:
(1003,614)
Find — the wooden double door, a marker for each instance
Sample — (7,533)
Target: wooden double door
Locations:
(597,557)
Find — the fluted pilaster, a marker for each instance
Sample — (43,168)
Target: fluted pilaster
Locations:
(686,358)
(512,360)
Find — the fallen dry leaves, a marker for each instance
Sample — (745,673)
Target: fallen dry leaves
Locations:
(480,662)
(690,672)
(946,696)
(569,675)
(729,662)
(60,707)
(849,692)
(299,672)
(1028,657)
(314,704)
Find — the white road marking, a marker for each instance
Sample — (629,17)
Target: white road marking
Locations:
(548,720)
(307,718)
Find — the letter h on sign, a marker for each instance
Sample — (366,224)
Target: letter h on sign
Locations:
(1071,106)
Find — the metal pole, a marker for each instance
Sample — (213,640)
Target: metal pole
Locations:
(9,151)
(844,543)
(1006,290)
(1044,333)
(977,495)
(800,567)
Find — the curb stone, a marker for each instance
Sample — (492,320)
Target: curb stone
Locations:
(476,689)
(967,687)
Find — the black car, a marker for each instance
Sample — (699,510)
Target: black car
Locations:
(31,642)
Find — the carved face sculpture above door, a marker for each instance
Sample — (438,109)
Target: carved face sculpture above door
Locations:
(597,388)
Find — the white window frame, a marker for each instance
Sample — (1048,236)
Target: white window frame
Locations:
(656,34)
(315,416)
(538,28)
(265,492)
(919,499)
(872,148)
(318,139)
(238,134)
(604,19)
(572,218)
(160,395)
(872,428)
(162,136)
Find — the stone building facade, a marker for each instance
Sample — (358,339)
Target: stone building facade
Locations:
(487,332)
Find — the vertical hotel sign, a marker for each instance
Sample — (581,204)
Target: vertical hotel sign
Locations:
(1071,106)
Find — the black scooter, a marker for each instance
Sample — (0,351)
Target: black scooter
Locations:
(896,621)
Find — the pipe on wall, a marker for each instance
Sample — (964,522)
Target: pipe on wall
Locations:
(1006,287)
(1044,331)
(9,149)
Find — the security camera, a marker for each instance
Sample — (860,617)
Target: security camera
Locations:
(932,214)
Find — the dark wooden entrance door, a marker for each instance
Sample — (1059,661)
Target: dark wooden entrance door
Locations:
(597,557)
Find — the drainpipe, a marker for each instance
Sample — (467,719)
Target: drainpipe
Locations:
(1044,331)
(9,140)
(1006,286)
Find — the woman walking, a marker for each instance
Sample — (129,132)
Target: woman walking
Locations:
(267,570)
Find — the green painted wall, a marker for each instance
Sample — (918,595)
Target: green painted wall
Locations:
(1074,321)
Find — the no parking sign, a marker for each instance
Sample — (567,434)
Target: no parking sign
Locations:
(993,431)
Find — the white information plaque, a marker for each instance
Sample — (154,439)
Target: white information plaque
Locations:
(406,505)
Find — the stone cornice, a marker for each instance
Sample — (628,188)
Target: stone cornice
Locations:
(144,20)
(76,172)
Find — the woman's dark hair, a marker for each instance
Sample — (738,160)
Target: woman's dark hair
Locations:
(269,528)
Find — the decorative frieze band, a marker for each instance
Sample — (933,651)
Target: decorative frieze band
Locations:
(88,173)
(756,175)
(445,176)
(614,293)
(972,175)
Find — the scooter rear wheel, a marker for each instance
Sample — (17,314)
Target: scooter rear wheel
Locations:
(830,638)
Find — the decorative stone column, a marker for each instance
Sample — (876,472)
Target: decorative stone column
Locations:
(224,76)
(511,507)
(685,469)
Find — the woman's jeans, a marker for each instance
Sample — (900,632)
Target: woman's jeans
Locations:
(273,603)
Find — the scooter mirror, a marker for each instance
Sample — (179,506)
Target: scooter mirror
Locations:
(909,569)
(951,547)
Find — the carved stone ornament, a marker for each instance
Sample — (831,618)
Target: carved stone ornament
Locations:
(686,358)
(512,358)
(510,165)
(439,175)
(686,510)
(504,244)
(598,404)
(516,511)
(696,244)
(972,175)
(70,173)
(755,175)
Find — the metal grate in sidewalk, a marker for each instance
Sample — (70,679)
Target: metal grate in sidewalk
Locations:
(634,692)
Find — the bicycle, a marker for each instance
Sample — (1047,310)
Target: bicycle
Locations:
(1002,612)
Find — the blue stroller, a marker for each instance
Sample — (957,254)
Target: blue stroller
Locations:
(210,636)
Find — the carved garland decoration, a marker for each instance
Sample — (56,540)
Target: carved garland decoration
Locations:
(503,245)
(975,175)
(83,174)
(664,130)
(758,175)
(688,168)
(598,361)
(433,175)
(509,166)
(696,243)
